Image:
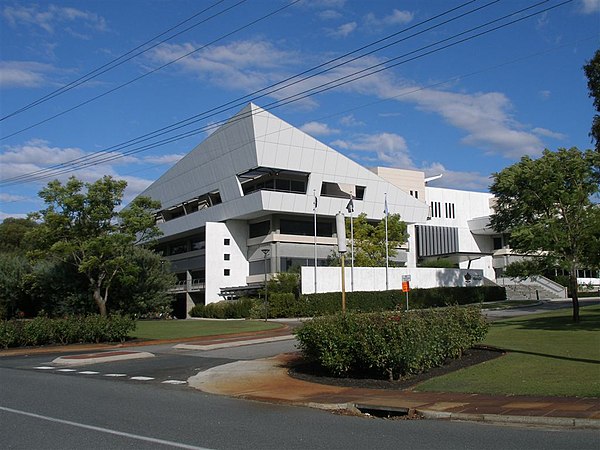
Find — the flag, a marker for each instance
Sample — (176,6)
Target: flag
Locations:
(385,207)
(350,206)
(316,202)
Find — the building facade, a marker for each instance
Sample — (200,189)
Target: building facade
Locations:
(243,203)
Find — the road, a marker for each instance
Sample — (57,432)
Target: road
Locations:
(135,408)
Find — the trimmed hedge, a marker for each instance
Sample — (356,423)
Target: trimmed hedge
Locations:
(330,302)
(227,309)
(68,330)
(390,345)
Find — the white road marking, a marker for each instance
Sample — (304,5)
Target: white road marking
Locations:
(174,382)
(66,370)
(142,378)
(88,372)
(44,368)
(103,430)
(115,374)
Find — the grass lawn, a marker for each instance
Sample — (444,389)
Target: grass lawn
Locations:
(173,329)
(548,354)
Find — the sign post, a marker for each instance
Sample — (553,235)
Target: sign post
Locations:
(406,287)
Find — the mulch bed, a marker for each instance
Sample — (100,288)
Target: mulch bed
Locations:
(315,373)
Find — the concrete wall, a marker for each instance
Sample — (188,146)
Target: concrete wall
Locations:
(216,233)
(329,279)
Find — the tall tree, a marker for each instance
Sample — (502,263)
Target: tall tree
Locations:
(13,232)
(592,72)
(546,206)
(81,226)
(369,240)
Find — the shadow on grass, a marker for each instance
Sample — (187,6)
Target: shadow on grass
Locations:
(560,323)
(546,355)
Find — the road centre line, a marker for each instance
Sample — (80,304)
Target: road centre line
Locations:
(102,430)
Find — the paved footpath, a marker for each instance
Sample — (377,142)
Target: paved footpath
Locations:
(268,380)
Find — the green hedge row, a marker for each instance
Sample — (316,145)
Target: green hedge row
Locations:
(287,305)
(390,345)
(69,330)
(237,309)
(330,302)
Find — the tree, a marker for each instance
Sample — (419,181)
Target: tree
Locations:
(81,226)
(13,232)
(142,288)
(369,240)
(592,72)
(546,206)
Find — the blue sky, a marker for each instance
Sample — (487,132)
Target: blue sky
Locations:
(465,111)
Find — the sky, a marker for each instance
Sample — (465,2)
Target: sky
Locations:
(442,92)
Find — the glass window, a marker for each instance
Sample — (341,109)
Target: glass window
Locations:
(226,272)
(226,241)
(259,229)
(226,257)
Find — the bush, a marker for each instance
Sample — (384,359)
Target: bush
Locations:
(330,302)
(390,345)
(227,309)
(68,330)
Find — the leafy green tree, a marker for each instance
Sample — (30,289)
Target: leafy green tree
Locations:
(14,269)
(592,72)
(142,288)
(13,232)
(369,240)
(546,206)
(81,226)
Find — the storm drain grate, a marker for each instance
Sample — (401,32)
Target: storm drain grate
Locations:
(386,412)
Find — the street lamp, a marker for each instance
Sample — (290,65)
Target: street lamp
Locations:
(266,252)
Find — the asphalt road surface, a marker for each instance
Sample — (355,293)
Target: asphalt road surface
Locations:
(140,405)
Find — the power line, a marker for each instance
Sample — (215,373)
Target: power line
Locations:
(104,158)
(269,89)
(110,91)
(118,60)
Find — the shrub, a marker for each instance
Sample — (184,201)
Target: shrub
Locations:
(390,345)
(227,309)
(68,330)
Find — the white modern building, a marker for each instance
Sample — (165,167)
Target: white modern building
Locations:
(242,204)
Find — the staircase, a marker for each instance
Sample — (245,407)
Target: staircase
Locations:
(532,288)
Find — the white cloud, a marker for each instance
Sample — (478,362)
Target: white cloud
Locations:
(590,6)
(318,129)
(52,17)
(351,121)
(548,133)
(36,155)
(329,14)
(23,74)
(397,17)
(164,159)
(457,180)
(10,198)
(343,30)
(389,148)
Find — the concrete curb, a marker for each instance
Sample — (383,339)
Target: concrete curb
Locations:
(94,358)
(233,343)
(563,422)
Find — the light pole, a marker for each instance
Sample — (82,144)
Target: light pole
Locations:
(266,252)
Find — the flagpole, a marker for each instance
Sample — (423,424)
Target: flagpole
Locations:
(315,223)
(387,262)
(352,242)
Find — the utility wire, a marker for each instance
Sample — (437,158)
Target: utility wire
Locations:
(269,89)
(103,158)
(119,60)
(110,91)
